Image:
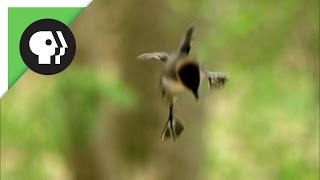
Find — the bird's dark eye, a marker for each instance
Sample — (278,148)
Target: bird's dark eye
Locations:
(189,74)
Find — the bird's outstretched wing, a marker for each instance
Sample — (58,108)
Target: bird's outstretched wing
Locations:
(186,43)
(163,56)
(216,79)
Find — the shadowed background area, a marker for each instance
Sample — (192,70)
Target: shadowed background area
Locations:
(101,119)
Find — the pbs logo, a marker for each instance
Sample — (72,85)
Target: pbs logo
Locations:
(47,46)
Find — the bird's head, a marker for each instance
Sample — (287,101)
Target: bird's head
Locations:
(189,73)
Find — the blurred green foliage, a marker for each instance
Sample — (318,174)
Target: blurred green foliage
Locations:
(57,119)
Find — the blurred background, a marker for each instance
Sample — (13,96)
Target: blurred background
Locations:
(101,119)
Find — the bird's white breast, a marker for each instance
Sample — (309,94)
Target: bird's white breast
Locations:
(173,86)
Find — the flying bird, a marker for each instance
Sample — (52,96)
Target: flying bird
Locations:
(181,73)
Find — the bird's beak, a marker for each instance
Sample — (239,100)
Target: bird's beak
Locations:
(196,95)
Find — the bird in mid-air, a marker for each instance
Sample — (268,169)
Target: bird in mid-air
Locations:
(182,72)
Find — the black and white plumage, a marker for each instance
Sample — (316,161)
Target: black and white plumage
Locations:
(182,72)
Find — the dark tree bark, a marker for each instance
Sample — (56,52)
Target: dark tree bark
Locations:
(130,146)
(144,29)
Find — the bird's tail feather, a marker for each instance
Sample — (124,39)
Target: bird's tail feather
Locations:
(173,128)
(186,43)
